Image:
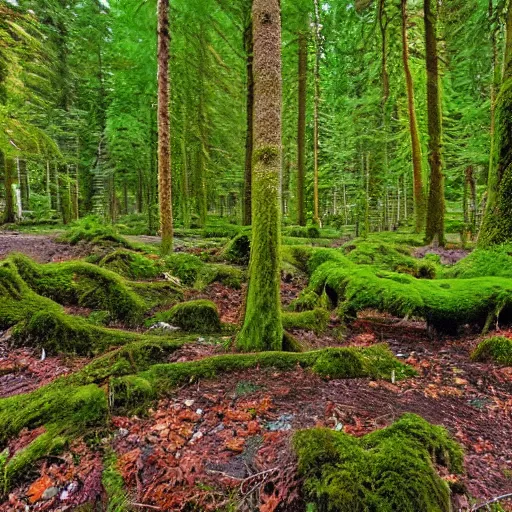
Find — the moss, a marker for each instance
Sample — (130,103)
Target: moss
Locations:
(82,284)
(376,362)
(132,265)
(238,249)
(316,320)
(44,445)
(391,470)
(496,261)
(157,293)
(444,304)
(194,316)
(497,349)
(113,483)
(228,276)
(91,230)
(308,300)
(303,232)
(185,267)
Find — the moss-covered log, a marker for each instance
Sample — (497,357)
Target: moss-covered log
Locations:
(315,320)
(390,470)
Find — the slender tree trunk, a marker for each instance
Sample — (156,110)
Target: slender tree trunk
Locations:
(316,127)
(200,185)
(495,77)
(248,44)
(262,328)
(9,212)
(23,184)
(417,164)
(301,135)
(185,193)
(436,201)
(497,222)
(164,129)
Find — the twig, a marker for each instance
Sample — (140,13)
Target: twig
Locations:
(142,505)
(494,500)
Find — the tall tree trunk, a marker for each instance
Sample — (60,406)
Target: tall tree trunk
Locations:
(497,223)
(185,194)
(495,77)
(417,165)
(23,184)
(200,185)
(436,201)
(9,212)
(164,129)
(301,132)
(316,127)
(262,329)
(248,44)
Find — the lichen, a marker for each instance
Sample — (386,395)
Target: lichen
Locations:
(390,470)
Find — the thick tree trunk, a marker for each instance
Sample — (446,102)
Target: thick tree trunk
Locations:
(301,135)
(497,224)
(262,329)
(436,201)
(417,165)
(248,44)
(316,124)
(164,129)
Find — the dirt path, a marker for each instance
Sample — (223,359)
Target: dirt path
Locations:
(41,248)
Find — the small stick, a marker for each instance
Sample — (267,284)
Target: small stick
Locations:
(494,500)
(142,505)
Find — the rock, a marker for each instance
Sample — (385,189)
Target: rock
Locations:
(189,403)
(50,493)
(282,423)
(164,327)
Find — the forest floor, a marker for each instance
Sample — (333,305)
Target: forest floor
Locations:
(230,437)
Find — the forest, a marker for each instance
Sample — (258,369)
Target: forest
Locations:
(256,255)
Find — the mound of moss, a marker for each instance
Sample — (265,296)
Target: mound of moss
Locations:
(92,231)
(82,284)
(386,256)
(302,232)
(496,261)
(132,265)
(238,249)
(446,304)
(194,316)
(497,349)
(390,470)
(315,320)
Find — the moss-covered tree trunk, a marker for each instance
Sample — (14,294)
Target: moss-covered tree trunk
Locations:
(497,223)
(436,201)
(316,116)
(417,165)
(262,328)
(9,212)
(164,129)
(248,44)
(301,124)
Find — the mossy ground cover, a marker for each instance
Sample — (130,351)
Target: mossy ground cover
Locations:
(497,349)
(390,470)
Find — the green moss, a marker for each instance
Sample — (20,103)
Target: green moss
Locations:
(113,483)
(91,230)
(238,249)
(184,266)
(132,265)
(444,304)
(497,349)
(157,293)
(391,470)
(496,261)
(82,284)
(303,232)
(308,300)
(316,320)
(194,316)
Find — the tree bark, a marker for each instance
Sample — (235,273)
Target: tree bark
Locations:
(316,128)
(262,328)
(164,129)
(436,200)
(301,135)
(248,44)
(497,224)
(9,212)
(417,165)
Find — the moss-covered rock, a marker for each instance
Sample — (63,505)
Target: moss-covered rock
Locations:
(497,349)
(194,316)
(132,265)
(391,470)
(315,320)
(82,284)
(238,249)
(444,304)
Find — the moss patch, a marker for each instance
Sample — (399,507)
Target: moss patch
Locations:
(391,470)
(316,320)
(193,316)
(132,265)
(497,349)
(238,249)
(91,230)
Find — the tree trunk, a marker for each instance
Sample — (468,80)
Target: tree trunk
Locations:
(497,224)
(262,329)
(417,164)
(248,44)
(301,135)
(23,184)
(9,213)
(164,129)
(316,128)
(436,201)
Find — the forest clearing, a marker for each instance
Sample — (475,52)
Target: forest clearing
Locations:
(256,255)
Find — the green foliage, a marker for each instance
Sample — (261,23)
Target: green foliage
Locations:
(390,470)
(92,231)
(113,484)
(316,320)
(132,265)
(497,349)
(496,261)
(303,232)
(82,284)
(445,304)
(195,316)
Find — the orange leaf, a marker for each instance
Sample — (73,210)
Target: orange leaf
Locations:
(36,490)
